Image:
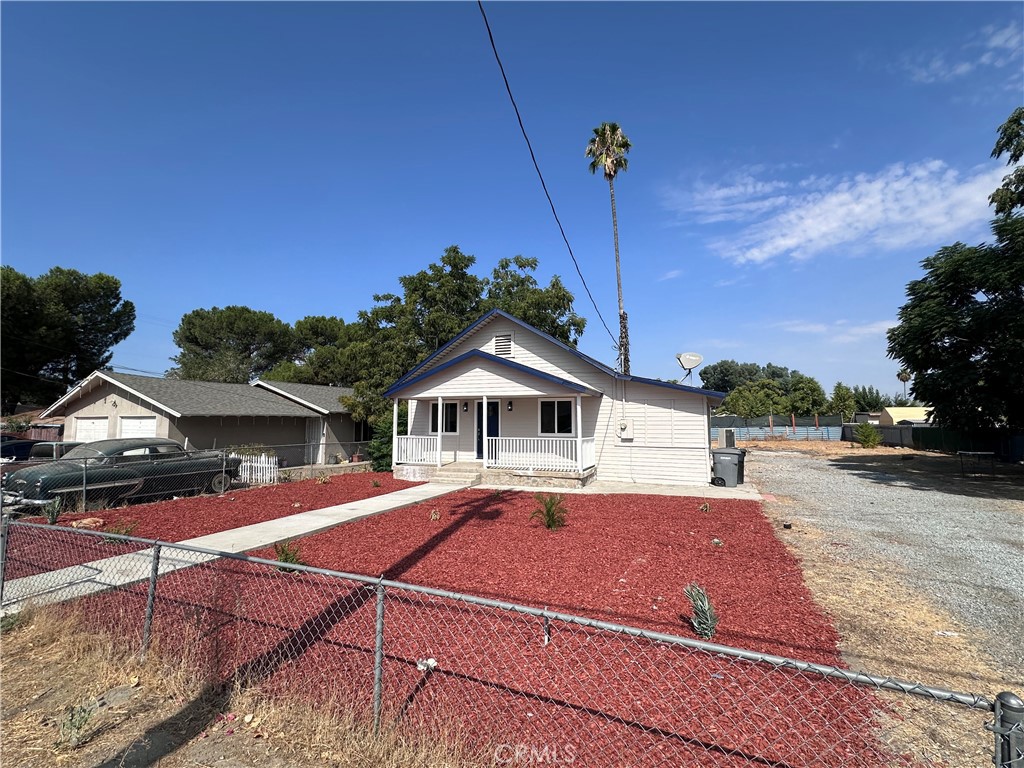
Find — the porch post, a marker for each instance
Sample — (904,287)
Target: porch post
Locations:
(579,432)
(440,428)
(485,431)
(394,434)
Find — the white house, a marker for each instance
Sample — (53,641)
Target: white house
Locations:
(552,414)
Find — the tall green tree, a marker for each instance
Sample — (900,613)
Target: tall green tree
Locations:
(870,399)
(903,375)
(842,401)
(756,398)
(324,357)
(727,375)
(607,149)
(234,344)
(435,305)
(57,329)
(806,396)
(961,331)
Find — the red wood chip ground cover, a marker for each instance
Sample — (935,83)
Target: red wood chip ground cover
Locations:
(503,678)
(189,517)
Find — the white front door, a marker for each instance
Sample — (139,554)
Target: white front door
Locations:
(138,426)
(90,428)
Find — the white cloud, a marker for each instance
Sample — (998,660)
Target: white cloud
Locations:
(904,205)
(852,333)
(672,274)
(992,46)
(837,331)
(800,326)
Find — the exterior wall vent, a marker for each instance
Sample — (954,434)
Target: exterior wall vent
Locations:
(503,344)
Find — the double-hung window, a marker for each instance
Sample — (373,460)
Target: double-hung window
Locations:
(556,417)
(450,419)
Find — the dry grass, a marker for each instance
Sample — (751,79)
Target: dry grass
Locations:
(889,630)
(52,665)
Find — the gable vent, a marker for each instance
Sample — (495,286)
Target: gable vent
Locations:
(503,345)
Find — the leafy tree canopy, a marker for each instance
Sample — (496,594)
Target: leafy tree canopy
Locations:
(806,397)
(234,344)
(870,399)
(57,329)
(842,401)
(727,375)
(756,398)
(961,332)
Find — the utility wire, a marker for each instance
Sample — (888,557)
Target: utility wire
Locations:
(536,166)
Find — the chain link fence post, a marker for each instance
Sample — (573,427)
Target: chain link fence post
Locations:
(5,521)
(1008,727)
(378,657)
(147,627)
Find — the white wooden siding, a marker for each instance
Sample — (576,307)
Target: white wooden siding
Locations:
(475,378)
(137,426)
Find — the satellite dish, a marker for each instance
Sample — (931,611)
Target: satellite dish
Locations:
(689,360)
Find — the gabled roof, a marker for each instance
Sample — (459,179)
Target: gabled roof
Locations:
(189,398)
(316,396)
(497,313)
(479,353)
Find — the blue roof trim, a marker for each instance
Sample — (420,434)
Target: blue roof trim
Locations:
(400,385)
(709,393)
(486,318)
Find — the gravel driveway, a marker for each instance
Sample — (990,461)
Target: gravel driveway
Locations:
(959,541)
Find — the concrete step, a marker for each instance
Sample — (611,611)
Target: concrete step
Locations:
(456,477)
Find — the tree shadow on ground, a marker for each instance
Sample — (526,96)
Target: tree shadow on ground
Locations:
(938,472)
(167,736)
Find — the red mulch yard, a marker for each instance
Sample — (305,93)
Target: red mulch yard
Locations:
(599,698)
(188,517)
(619,558)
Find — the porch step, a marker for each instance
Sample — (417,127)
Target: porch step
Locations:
(456,477)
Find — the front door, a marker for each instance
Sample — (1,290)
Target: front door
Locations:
(492,424)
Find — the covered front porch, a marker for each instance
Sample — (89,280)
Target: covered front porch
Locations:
(541,434)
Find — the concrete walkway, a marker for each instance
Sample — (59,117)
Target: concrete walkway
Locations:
(122,570)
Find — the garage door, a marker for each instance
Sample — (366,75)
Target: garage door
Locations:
(138,426)
(89,429)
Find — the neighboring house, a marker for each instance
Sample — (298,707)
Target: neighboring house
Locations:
(892,416)
(551,413)
(305,424)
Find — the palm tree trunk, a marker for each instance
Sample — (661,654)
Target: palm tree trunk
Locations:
(623,320)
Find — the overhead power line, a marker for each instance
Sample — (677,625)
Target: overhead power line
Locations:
(536,166)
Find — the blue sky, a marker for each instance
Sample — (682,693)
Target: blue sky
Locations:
(792,163)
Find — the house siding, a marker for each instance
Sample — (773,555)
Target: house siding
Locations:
(100,402)
(671,438)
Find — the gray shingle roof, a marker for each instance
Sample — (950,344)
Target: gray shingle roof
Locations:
(314,394)
(209,398)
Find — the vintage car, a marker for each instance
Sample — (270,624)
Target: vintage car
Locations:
(126,469)
(40,453)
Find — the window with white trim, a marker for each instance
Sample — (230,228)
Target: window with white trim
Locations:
(556,417)
(451,419)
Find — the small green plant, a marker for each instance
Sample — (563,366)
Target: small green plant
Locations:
(52,511)
(498,493)
(287,552)
(551,511)
(11,621)
(705,507)
(322,478)
(375,483)
(867,435)
(435,515)
(252,449)
(126,528)
(73,724)
(704,620)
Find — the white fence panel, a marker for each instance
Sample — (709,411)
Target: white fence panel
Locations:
(416,449)
(257,470)
(546,454)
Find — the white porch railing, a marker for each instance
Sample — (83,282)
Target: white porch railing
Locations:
(416,449)
(547,454)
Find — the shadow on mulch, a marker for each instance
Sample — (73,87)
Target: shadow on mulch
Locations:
(937,472)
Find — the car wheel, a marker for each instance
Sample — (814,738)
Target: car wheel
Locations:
(220,482)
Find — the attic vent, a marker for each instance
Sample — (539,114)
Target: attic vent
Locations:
(503,345)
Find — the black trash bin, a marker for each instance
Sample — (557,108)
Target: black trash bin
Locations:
(728,466)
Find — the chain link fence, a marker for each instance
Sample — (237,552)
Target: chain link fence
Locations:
(519,685)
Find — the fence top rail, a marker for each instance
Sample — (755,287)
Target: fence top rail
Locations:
(970,700)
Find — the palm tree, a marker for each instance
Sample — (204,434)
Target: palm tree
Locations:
(904,376)
(608,148)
